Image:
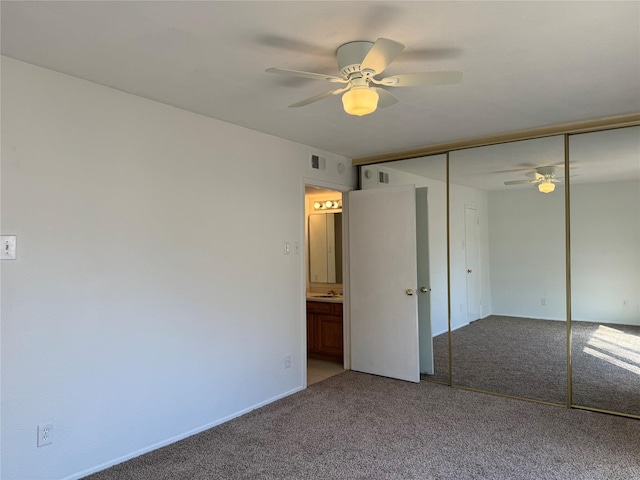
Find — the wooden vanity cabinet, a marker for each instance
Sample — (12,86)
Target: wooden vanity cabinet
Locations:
(324,331)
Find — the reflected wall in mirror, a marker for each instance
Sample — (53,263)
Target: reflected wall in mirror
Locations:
(605,269)
(507,267)
(428,174)
(325,247)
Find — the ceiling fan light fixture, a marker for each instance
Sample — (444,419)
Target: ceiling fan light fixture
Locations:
(360,100)
(546,186)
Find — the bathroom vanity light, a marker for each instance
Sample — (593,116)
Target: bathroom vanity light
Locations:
(328,205)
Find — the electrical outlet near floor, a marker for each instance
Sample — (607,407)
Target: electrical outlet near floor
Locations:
(45,434)
(287,361)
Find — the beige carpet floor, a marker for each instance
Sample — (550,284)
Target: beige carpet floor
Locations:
(528,358)
(359,426)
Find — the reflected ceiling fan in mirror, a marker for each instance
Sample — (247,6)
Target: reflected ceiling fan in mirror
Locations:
(544,177)
(359,63)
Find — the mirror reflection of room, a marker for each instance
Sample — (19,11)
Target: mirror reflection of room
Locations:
(507,244)
(605,269)
(508,277)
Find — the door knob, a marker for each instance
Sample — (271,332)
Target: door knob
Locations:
(410,292)
(424,289)
(469,270)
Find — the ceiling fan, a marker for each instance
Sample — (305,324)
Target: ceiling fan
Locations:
(359,63)
(544,177)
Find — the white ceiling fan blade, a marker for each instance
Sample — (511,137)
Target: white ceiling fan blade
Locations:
(422,78)
(314,76)
(520,182)
(383,52)
(318,97)
(385,99)
(571,176)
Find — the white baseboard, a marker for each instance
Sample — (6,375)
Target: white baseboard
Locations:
(177,438)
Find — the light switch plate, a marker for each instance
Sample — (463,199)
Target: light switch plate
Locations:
(8,244)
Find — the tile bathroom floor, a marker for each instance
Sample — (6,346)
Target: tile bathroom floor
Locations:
(318,370)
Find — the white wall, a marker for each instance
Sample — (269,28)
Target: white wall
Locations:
(149,300)
(527,238)
(437,211)
(605,252)
(527,252)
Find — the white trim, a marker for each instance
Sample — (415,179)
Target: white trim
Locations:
(346,299)
(312,182)
(532,317)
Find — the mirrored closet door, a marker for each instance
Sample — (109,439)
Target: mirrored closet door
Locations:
(605,269)
(535,271)
(507,267)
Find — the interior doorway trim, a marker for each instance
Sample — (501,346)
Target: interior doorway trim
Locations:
(346,322)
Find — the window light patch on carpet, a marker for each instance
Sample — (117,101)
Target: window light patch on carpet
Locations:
(609,341)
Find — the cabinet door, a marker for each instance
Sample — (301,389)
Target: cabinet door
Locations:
(311,333)
(329,334)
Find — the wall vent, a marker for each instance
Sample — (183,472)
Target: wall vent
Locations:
(318,163)
(383,177)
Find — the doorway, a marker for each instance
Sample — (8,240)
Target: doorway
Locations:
(324,283)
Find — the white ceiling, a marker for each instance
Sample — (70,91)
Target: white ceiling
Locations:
(525,64)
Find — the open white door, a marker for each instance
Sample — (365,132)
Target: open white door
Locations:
(383,282)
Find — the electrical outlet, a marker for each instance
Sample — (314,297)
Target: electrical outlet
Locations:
(625,302)
(45,434)
(287,361)
(543,302)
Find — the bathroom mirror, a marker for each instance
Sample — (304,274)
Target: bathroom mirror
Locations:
(507,264)
(605,269)
(325,247)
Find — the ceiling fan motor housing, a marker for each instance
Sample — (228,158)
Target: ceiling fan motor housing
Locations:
(546,171)
(350,56)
